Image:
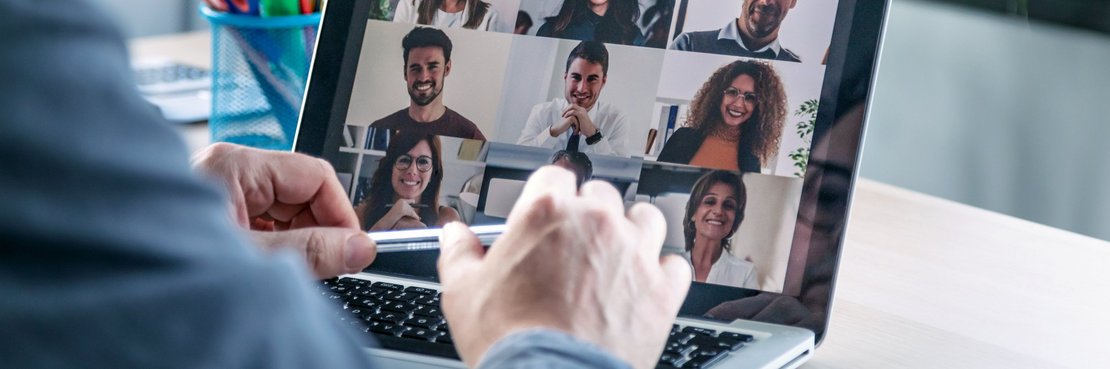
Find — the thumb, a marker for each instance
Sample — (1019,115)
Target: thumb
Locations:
(460,250)
(676,275)
(328,251)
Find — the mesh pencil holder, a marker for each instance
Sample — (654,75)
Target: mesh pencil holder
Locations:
(259,69)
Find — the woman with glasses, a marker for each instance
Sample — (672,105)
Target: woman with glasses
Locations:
(735,121)
(404,191)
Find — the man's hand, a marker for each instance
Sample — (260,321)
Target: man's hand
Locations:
(295,194)
(574,262)
(583,123)
(559,127)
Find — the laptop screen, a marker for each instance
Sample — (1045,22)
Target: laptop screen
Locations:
(715,111)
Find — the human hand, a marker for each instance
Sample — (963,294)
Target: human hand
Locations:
(574,262)
(559,127)
(400,212)
(583,123)
(295,194)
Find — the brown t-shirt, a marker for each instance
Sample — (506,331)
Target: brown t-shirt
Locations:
(716,153)
(450,124)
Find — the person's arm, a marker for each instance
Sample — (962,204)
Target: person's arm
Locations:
(446,215)
(548,349)
(115,252)
(614,135)
(682,42)
(537,129)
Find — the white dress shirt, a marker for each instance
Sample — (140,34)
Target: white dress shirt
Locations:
(612,124)
(729,270)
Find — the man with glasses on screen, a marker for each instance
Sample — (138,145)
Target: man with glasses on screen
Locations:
(754,34)
(577,121)
(427,54)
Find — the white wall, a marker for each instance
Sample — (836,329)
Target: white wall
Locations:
(994,112)
(473,88)
(629,87)
(806,30)
(685,72)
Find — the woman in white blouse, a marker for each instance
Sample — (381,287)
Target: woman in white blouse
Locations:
(472,14)
(713,213)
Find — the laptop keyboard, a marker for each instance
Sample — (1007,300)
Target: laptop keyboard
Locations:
(408,318)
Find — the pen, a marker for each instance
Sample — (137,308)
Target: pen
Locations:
(418,206)
(427,239)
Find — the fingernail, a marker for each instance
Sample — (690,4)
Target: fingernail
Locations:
(358,251)
(447,236)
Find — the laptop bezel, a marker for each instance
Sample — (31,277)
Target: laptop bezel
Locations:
(848,87)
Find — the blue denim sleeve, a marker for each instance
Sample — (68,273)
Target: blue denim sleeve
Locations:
(548,349)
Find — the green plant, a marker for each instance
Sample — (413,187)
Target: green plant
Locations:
(804,128)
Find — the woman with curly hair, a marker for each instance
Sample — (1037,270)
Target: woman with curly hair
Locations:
(713,213)
(472,14)
(735,121)
(609,21)
(404,190)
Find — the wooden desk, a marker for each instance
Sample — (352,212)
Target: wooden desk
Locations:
(924,282)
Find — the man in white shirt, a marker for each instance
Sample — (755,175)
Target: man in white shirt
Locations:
(577,121)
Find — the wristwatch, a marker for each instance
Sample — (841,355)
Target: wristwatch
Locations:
(594,139)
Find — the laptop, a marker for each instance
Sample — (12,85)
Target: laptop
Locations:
(741,120)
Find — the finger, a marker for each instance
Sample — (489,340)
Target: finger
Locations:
(459,251)
(676,276)
(299,179)
(548,181)
(604,194)
(328,251)
(651,225)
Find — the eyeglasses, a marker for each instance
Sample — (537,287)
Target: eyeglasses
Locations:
(733,93)
(423,162)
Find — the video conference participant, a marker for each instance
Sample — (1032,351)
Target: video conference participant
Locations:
(472,14)
(404,190)
(577,162)
(427,55)
(735,121)
(754,34)
(713,213)
(611,21)
(578,122)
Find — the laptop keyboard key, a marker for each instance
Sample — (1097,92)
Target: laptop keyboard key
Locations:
(368,303)
(428,300)
(421,290)
(399,307)
(387,286)
(428,311)
(737,336)
(388,317)
(423,322)
(701,331)
(402,296)
(420,333)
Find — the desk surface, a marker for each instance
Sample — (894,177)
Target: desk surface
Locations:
(923,282)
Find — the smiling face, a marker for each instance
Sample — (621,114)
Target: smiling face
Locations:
(715,213)
(424,74)
(762,18)
(410,182)
(584,80)
(738,101)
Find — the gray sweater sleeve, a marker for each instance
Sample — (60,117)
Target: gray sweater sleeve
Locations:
(547,349)
(112,254)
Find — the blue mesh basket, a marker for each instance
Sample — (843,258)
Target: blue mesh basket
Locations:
(259,69)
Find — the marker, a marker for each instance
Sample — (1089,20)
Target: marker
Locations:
(427,239)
